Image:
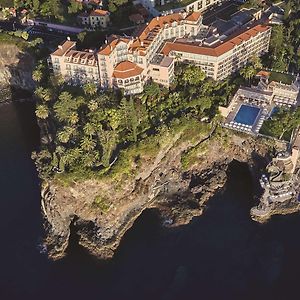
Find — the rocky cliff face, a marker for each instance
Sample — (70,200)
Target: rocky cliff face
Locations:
(159,183)
(15,68)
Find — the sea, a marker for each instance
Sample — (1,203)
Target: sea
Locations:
(221,255)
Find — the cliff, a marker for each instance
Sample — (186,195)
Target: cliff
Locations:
(15,68)
(104,209)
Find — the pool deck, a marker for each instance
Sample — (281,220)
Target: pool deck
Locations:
(264,96)
(253,129)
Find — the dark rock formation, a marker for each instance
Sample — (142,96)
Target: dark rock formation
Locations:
(15,71)
(159,183)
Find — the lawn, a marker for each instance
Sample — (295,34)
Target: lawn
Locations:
(282,77)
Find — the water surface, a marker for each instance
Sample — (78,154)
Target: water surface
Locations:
(221,255)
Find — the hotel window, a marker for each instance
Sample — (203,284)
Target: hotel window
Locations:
(56,60)
(68,67)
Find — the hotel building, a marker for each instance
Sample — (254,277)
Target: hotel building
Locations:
(74,66)
(129,62)
(217,58)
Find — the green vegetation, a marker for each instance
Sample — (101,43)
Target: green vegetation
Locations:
(88,134)
(251,69)
(281,124)
(282,77)
(101,203)
(284,55)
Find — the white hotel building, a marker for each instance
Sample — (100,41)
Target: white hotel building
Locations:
(129,62)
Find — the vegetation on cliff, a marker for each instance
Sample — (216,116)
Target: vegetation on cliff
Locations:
(88,133)
(87,130)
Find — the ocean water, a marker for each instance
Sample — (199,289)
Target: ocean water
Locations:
(220,255)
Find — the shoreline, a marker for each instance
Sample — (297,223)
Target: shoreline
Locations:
(102,234)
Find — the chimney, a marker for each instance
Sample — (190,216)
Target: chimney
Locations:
(68,38)
(60,47)
(142,44)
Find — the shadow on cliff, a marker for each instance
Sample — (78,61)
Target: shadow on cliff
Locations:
(20,82)
(221,255)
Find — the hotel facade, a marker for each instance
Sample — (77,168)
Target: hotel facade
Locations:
(129,62)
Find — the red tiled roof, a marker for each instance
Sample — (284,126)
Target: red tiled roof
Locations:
(263,73)
(219,49)
(113,41)
(99,12)
(127,69)
(194,16)
(149,31)
(62,49)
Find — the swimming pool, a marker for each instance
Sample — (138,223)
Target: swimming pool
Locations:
(247,114)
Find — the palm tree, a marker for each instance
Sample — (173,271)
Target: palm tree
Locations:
(89,129)
(43,94)
(90,89)
(42,111)
(93,105)
(152,94)
(74,118)
(87,143)
(72,155)
(90,159)
(248,72)
(65,135)
(37,75)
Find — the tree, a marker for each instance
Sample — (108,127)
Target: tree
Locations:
(277,40)
(74,7)
(87,143)
(66,108)
(90,89)
(255,61)
(42,111)
(281,122)
(37,75)
(108,143)
(248,72)
(43,94)
(89,129)
(193,75)
(65,134)
(81,36)
(35,5)
(153,93)
(52,8)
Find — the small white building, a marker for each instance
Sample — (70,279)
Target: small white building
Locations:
(98,18)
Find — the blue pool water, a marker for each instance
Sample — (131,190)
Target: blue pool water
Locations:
(247,114)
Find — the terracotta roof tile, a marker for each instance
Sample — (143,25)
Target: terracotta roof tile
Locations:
(62,49)
(127,69)
(99,12)
(194,16)
(113,41)
(217,50)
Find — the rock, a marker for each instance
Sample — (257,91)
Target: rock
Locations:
(179,195)
(15,68)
